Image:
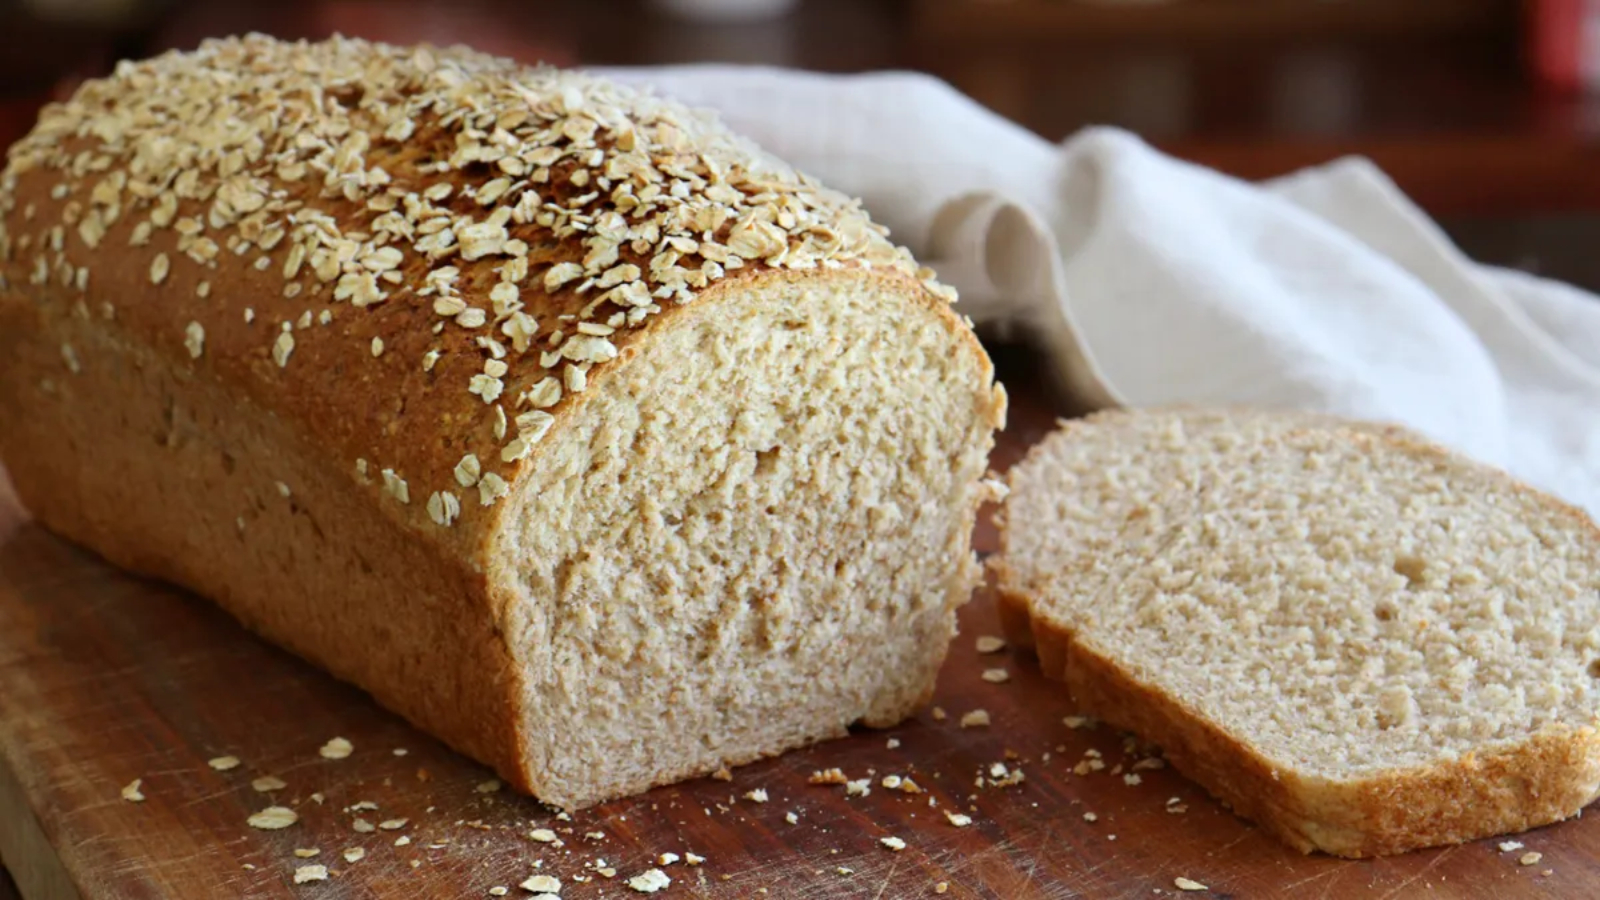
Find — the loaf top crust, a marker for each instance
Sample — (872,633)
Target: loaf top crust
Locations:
(421,257)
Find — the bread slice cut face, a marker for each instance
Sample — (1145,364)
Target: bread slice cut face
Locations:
(1357,639)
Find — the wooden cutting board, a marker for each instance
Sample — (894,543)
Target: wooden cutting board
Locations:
(105,678)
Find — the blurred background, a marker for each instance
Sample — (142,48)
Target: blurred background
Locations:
(1485,111)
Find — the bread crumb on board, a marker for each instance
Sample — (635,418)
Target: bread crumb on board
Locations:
(978,718)
(1188,884)
(132,792)
(273,818)
(224,763)
(338,748)
(988,643)
(308,874)
(649,881)
(893,843)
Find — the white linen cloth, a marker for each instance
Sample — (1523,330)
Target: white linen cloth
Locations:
(1153,281)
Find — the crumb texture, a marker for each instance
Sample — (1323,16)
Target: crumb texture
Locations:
(1345,604)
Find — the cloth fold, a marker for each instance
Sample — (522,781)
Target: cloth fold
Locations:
(1149,280)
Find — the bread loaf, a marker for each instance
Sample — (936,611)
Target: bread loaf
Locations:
(569,426)
(1357,639)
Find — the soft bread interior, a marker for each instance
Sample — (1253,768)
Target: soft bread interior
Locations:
(755,535)
(1345,603)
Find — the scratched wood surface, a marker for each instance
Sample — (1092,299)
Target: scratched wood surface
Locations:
(106,678)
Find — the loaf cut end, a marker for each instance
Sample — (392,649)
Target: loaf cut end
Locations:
(1353,637)
(754,535)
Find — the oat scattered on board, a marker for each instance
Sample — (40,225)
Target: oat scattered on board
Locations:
(650,881)
(544,836)
(393,824)
(354,854)
(1187,884)
(978,718)
(338,748)
(273,818)
(307,874)
(1531,857)
(893,843)
(499,890)
(131,792)
(224,763)
(988,643)
(268,783)
(307,852)
(996,676)
(959,820)
(542,884)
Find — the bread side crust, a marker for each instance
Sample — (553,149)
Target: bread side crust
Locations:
(1546,778)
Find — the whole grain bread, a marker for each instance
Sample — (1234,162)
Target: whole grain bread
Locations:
(569,425)
(1353,637)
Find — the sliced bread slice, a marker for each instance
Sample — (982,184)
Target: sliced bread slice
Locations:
(1355,638)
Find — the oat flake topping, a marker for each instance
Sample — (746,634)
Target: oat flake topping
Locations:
(368,176)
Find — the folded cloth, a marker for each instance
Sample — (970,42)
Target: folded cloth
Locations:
(1153,281)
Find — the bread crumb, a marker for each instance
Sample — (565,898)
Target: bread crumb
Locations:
(1508,846)
(828,776)
(362,826)
(544,836)
(988,643)
(938,714)
(131,793)
(891,781)
(941,887)
(665,859)
(1186,884)
(893,843)
(996,676)
(693,859)
(1077,721)
(307,874)
(307,852)
(224,763)
(978,718)
(845,870)
(498,890)
(354,854)
(488,787)
(1131,779)
(393,824)
(959,820)
(791,818)
(893,744)
(858,788)
(403,840)
(268,783)
(1090,817)
(542,884)
(759,795)
(1531,857)
(650,881)
(273,818)
(400,751)
(722,774)
(338,748)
